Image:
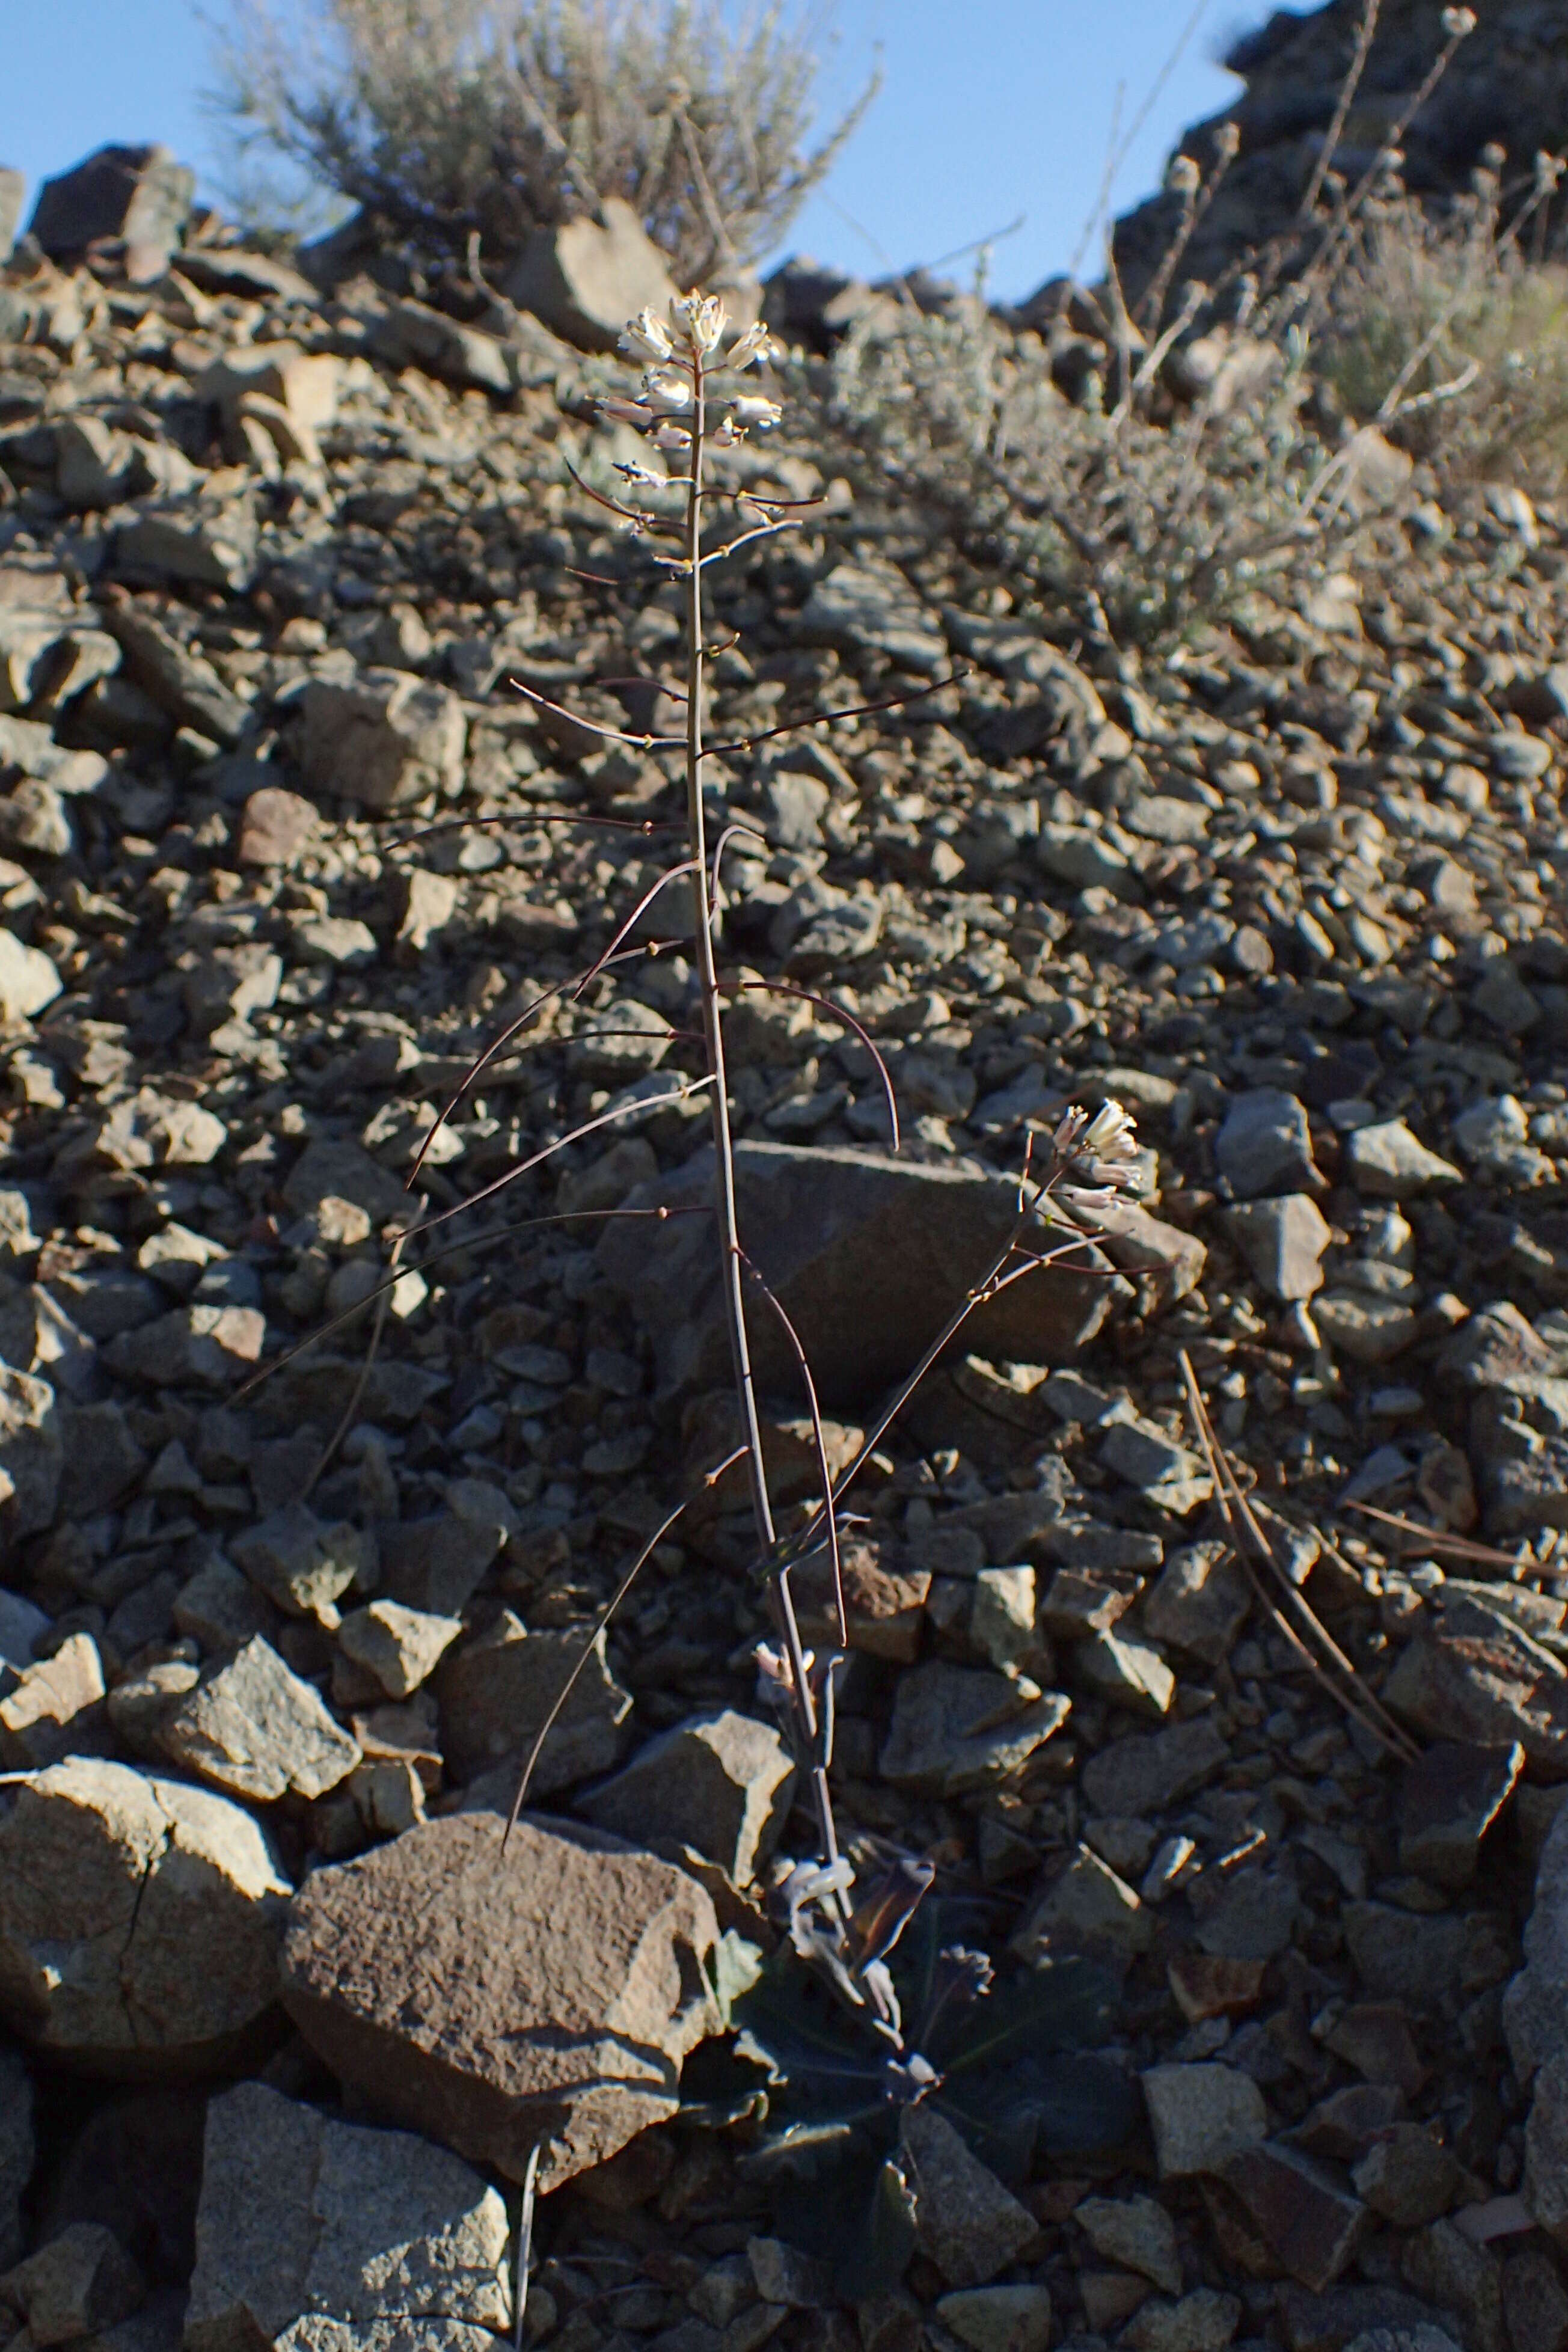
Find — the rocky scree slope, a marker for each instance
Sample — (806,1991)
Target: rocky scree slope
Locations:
(281,2029)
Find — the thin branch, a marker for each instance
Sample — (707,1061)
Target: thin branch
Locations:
(351,1411)
(1348,87)
(819,1436)
(826,1004)
(1436,1540)
(833,718)
(710,1480)
(611,734)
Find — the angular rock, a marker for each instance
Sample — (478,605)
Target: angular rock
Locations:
(79,2284)
(331,1170)
(32,1452)
(584,279)
(999,2318)
(1282,1240)
(967,2223)
(178,680)
(496,1691)
(301,1563)
(1535,2006)
(1534,2302)
(1136,2232)
(413,334)
(28,981)
(56,1707)
(275,826)
(870,603)
(1151,1770)
(255,1728)
(1311,2226)
(869,1257)
(1266,1145)
(12,188)
(303,2217)
(1406,2177)
(400,1647)
(388,739)
(196,1346)
(1474,1675)
(1448,1800)
(1087,1909)
(139,1919)
(138,195)
(1204,2321)
(721,1783)
(1368,1330)
(1460,2278)
(955,1728)
(1201,2115)
(1391,1164)
(1201,1602)
(496,2002)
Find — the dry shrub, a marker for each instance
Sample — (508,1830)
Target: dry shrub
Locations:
(451,117)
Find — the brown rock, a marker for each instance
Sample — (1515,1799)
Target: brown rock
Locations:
(1206,1986)
(1311,2225)
(139,1917)
(869,1256)
(275,828)
(586,279)
(496,2002)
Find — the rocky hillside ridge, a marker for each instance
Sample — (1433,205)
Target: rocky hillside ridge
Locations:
(281,2029)
(1507,86)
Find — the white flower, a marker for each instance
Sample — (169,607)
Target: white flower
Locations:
(647,337)
(1458,24)
(667,393)
(671,436)
(755,345)
(752,409)
(1102,1151)
(701,319)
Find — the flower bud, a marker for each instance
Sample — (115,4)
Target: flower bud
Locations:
(699,320)
(1458,24)
(752,409)
(1184,177)
(646,337)
(755,345)
(667,394)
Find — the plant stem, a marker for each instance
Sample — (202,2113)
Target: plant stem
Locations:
(708,983)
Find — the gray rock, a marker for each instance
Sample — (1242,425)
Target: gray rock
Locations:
(1136,2232)
(28,981)
(1283,1241)
(1535,2303)
(1406,2177)
(200,1346)
(301,1563)
(179,681)
(495,1692)
(871,604)
(869,1256)
(955,1728)
(79,2283)
(1415,2336)
(434,1563)
(1305,2218)
(303,2217)
(1266,1145)
(16,2147)
(1472,1673)
(1200,2115)
(586,279)
(1422,1962)
(1391,1164)
(1087,1909)
(388,739)
(721,1783)
(1448,1800)
(256,1728)
(1201,1602)
(1535,2006)
(139,1919)
(330,1168)
(137,193)
(1368,1330)
(195,540)
(999,2318)
(1145,1773)
(412,334)
(1204,2321)
(56,1707)
(967,2223)
(32,1453)
(546,1997)
(1165,1474)
(400,1647)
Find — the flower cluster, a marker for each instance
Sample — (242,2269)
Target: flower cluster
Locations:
(1101,1153)
(683,361)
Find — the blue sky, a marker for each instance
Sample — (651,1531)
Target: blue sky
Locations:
(989,109)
